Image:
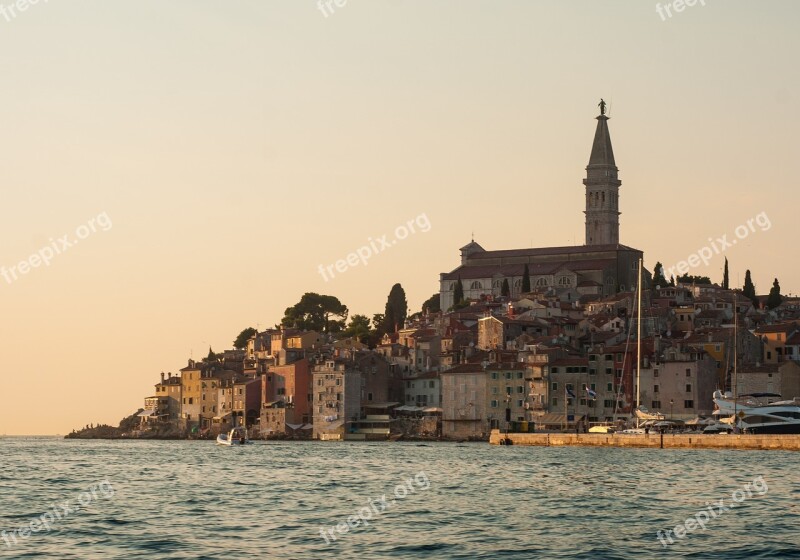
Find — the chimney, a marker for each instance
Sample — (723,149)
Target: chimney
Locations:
(162,377)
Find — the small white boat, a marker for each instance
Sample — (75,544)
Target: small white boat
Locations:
(602,428)
(237,436)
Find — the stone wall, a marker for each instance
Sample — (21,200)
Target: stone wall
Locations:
(666,441)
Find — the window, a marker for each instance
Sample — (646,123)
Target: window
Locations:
(338,381)
(688,387)
(655,372)
(655,388)
(369,396)
(655,405)
(608,371)
(592,371)
(555,401)
(608,404)
(475,286)
(592,358)
(688,372)
(508,375)
(554,386)
(494,404)
(431,384)
(519,375)
(520,389)
(494,375)
(191,400)
(508,390)
(609,357)
(609,386)
(519,404)
(688,404)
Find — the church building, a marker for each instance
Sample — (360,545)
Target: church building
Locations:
(601,266)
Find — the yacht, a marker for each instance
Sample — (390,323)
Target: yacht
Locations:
(237,436)
(756,414)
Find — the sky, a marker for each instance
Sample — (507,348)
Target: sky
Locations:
(173,172)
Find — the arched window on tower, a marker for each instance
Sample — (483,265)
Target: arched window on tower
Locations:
(476,286)
(541,282)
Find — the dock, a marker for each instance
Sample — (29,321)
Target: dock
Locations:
(652,441)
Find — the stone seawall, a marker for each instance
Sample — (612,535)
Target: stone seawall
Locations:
(655,441)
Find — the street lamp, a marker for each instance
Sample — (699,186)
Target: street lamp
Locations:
(671,402)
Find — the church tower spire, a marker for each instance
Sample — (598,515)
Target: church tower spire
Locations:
(602,188)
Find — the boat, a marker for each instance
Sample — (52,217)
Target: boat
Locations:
(602,428)
(237,436)
(643,414)
(781,417)
(728,405)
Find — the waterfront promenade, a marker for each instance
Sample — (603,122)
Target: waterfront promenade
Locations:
(662,441)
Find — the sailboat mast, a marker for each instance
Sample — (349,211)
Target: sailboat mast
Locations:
(638,339)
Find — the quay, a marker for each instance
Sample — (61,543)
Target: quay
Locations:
(652,441)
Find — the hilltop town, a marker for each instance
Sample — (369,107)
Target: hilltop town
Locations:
(545,336)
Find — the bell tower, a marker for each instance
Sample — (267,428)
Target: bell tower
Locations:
(602,188)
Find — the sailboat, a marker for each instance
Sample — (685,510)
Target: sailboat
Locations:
(640,412)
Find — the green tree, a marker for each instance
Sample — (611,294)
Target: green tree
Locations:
(358,328)
(458,293)
(315,312)
(672,280)
(432,304)
(526,280)
(658,276)
(749,289)
(725,278)
(689,279)
(396,309)
(505,291)
(211,356)
(775,298)
(244,336)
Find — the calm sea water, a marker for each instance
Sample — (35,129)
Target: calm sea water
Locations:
(270,500)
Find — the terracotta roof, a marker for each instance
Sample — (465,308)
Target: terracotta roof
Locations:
(465,368)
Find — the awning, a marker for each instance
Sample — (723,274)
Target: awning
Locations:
(222,417)
(555,418)
(380,405)
(294,426)
(146,413)
(432,409)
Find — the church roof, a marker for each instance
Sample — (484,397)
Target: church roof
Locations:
(546,251)
(468,272)
(602,153)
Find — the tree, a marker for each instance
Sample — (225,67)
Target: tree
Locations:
(358,328)
(505,291)
(689,279)
(458,293)
(658,276)
(749,289)
(315,312)
(241,340)
(672,280)
(526,280)
(432,304)
(211,356)
(774,299)
(725,277)
(396,309)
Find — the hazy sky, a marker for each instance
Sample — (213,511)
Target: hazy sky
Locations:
(227,149)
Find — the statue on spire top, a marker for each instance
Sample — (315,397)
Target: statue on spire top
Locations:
(602,106)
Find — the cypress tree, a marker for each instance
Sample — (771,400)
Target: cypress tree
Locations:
(526,280)
(775,298)
(749,289)
(725,278)
(506,289)
(458,293)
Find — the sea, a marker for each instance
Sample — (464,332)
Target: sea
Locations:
(89,499)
